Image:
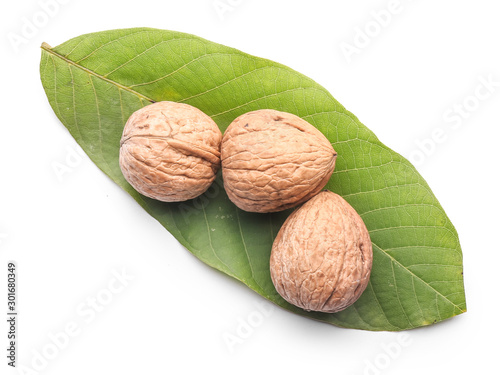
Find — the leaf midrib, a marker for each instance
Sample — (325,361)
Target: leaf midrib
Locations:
(47,48)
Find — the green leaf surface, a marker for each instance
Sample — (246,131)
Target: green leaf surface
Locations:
(96,81)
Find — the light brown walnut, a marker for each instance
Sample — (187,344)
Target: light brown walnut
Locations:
(322,257)
(170,151)
(274,160)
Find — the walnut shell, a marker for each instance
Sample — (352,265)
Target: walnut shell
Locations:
(170,151)
(322,257)
(274,160)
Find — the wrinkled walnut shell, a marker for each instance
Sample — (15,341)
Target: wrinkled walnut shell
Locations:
(322,257)
(170,151)
(274,160)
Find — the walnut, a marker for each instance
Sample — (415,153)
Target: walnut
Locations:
(170,151)
(274,160)
(322,257)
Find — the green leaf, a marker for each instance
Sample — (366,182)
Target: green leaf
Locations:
(95,82)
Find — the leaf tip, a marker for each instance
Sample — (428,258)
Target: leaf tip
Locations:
(45,46)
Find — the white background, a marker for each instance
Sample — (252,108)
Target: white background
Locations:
(69,235)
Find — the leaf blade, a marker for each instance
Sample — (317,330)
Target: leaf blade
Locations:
(95,81)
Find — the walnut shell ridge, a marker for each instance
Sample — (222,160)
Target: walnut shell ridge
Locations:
(322,257)
(274,160)
(170,151)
